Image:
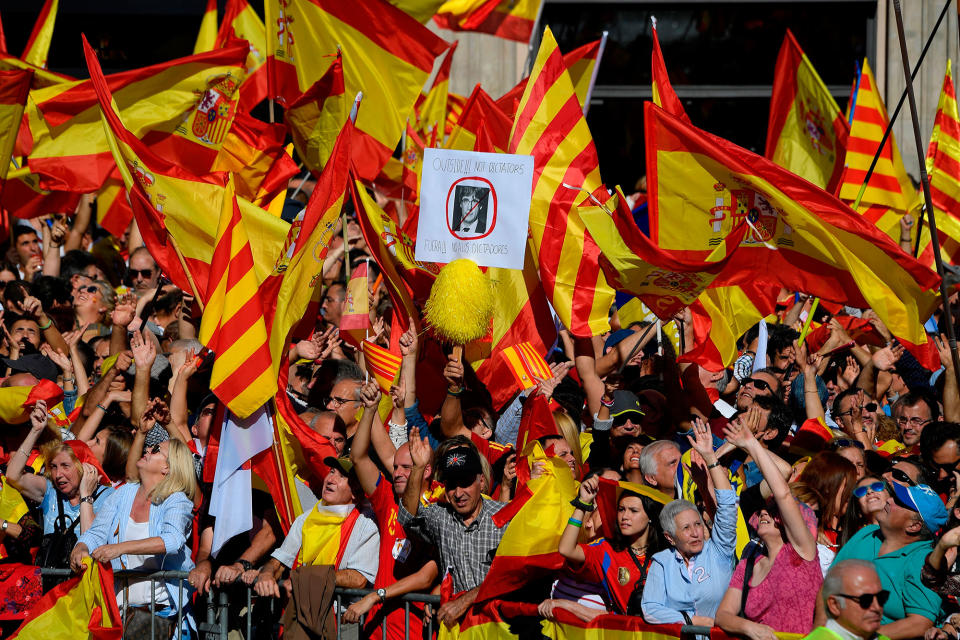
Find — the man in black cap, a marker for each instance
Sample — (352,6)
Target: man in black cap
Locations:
(462,527)
(626,416)
(40,366)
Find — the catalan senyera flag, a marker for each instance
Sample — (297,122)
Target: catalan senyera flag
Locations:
(14,86)
(240,21)
(113,208)
(387,55)
(82,607)
(807,132)
(355,321)
(67,144)
(384,365)
(529,545)
(233,325)
(943,167)
(38,45)
(701,187)
(663,94)
(890,193)
(580,64)
(432,107)
(526,364)
(720,316)
(550,126)
(509,19)
(207,35)
(316,117)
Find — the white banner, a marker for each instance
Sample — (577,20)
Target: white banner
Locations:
(474,205)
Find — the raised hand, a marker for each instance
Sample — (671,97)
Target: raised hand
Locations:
(125,310)
(559,371)
(144,351)
(702,440)
(420,450)
(886,358)
(396,395)
(852,371)
(369,394)
(38,416)
(73,337)
(409,340)
(589,489)
(453,372)
(89,480)
(739,433)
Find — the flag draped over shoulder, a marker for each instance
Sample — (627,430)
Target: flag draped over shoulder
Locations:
(38,46)
(943,166)
(509,19)
(207,35)
(233,325)
(82,607)
(806,132)
(387,55)
(550,126)
(663,93)
(702,187)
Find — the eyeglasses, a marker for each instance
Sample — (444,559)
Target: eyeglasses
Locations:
(848,412)
(870,407)
(873,487)
(914,422)
(143,273)
(866,599)
(843,443)
(761,385)
(901,476)
(338,401)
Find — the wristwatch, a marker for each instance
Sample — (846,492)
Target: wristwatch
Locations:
(89,499)
(246,564)
(382,593)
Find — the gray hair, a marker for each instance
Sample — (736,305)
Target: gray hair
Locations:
(348,370)
(669,513)
(648,462)
(185,344)
(833,581)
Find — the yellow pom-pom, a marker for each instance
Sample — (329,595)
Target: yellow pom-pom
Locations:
(461,303)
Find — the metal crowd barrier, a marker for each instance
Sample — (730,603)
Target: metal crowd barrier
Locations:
(216,623)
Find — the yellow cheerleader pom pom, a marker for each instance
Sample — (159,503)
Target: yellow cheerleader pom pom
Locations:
(461,303)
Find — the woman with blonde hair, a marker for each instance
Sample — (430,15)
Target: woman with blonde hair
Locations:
(145,525)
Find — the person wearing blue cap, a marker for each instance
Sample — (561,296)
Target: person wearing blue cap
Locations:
(898,546)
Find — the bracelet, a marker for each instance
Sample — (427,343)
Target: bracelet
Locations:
(583,506)
(69,379)
(101,407)
(605,403)
(48,325)
(715,464)
(456,392)
(575,522)
(23,453)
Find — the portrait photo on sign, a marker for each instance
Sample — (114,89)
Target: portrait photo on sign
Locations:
(468,211)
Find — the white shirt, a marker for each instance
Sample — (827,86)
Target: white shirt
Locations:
(139,590)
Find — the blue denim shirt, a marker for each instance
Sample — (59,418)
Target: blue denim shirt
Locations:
(673,586)
(170,520)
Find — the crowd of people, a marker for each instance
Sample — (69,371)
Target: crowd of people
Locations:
(810,488)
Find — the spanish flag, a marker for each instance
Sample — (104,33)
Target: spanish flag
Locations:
(806,132)
(509,19)
(14,86)
(481,113)
(384,365)
(177,104)
(17,402)
(233,325)
(82,607)
(253,151)
(113,208)
(663,93)
(355,321)
(281,70)
(550,126)
(387,56)
(566,626)
(41,77)
(703,187)
(207,35)
(241,22)
(432,107)
(38,46)
(419,10)
(24,198)
(317,116)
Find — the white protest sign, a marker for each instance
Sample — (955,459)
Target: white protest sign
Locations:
(474,205)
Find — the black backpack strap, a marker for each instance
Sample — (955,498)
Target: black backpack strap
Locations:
(747,575)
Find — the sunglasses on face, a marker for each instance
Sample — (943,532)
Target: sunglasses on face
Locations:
(843,443)
(143,273)
(873,487)
(870,407)
(760,385)
(155,449)
(90,288)
(947,467)
(866,599)
(901,476)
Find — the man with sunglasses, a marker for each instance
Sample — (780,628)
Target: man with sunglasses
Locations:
(762,383)
(848,412)
(143,270)
(940,451)
(897,546)
(853,598)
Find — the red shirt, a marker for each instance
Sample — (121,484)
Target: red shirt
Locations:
(615,570)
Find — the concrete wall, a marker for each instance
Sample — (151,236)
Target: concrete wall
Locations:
(493,62)
(919,17)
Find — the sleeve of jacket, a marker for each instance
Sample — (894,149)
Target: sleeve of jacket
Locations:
(653,604)
(176,514)
(99,532)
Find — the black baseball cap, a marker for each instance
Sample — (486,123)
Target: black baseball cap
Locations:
(40,366)
(625,402)
(460,467)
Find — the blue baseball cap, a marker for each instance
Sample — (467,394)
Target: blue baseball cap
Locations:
(924,501)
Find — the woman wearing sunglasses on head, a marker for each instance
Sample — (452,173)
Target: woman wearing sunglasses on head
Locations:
(774,587)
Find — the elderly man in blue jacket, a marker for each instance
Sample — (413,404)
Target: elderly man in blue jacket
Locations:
(686,582)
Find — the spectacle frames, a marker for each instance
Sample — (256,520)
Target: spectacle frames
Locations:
(143,273)
(901,476)
(761,385)
(843,443)
(873,487)
(866,599)
(914,422)
(339,402)
(848,412)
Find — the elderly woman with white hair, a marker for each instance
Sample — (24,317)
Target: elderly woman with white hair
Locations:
(687,581)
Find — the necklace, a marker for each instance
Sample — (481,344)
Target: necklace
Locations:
(638,550)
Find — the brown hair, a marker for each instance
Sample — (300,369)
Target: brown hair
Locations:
(825,475)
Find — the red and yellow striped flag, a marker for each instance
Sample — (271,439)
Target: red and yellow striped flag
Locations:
(253,151)
(510,19)
(806,132)
(387,55)
(663,93)
(432,106)
(241,22)
(943,166)
(526,364)
(38,46)
(82,607)
(41,77)
(890,193)
(384,365)
(420,10)
(316,117)
(23,197)
(702,187)
(207,35)
(481,113)
(233,324)
(551,127)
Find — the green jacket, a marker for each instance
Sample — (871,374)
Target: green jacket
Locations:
(822,633)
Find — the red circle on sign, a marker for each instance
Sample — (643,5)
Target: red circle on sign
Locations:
(491,213)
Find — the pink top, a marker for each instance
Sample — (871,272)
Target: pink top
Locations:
(786,597)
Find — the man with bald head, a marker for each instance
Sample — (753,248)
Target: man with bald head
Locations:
(400,557)
(853,598)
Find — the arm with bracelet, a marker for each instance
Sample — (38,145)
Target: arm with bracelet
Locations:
(583,506)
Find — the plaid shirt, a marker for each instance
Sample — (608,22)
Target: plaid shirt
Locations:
(466,551)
